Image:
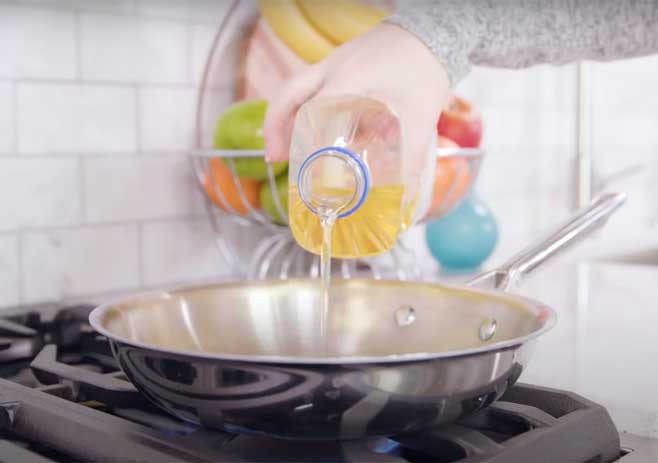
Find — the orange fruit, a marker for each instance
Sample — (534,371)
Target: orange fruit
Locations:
(451,181)
(220,178)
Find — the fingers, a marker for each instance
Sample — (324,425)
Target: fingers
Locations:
(281,113)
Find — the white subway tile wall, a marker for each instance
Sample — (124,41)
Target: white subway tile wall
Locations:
(529,137)
(134,188)
(37,43)
(70,118)
(131,50)
(97,110)
(60,264)
(105,6)
(202,36)
(204,11)
(9,270)
(625,143)
(39,192)
(166,118)
(529,173)
(6,117)
(543,87)
(97,107)
(178,250)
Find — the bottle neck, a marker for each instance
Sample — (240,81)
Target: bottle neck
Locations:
(333,182)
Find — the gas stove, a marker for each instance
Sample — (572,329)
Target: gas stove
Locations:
(63,398)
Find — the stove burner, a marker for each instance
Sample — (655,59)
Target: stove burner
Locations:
(72,403)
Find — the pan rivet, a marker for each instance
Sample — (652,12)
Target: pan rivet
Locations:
(488,329)
(405,315)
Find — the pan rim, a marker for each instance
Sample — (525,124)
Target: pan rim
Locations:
(98,313)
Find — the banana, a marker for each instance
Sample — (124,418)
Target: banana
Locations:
(341,20)
(291,26)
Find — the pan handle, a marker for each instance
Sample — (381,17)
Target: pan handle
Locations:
(580,225)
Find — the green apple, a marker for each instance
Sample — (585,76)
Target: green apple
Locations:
(267,199)
(256,168)
(241,127)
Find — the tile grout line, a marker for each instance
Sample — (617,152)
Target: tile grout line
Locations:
(132,13)
(112,293)
(107,83)
(101,225)
(82,190)
(155,154)
(189,74)
(21,276)
(14,109)
(78,46)
(140,254)
(137,108)
(123,155)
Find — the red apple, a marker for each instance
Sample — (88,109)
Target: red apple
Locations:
(445,142)
(461,123)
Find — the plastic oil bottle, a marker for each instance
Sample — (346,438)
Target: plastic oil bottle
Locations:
(353,186)
(350,173)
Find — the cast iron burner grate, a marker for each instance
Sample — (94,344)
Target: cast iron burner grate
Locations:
(74,405)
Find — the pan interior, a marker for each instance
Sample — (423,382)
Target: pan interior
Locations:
(367,318)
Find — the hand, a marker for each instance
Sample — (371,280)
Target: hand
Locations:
(388,64)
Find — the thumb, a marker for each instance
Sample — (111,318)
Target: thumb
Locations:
(281,112)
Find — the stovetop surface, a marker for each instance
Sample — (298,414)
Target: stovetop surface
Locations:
(63,398)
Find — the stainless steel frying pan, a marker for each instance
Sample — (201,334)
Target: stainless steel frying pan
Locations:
(396,357)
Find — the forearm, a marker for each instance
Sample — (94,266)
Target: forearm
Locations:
(522,33)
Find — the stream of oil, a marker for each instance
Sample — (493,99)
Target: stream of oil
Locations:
(327,222)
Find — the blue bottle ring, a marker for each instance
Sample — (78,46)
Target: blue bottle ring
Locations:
(357,160)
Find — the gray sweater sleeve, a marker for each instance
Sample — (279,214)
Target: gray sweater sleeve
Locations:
(522,33)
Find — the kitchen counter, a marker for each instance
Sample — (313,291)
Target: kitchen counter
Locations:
(605,344)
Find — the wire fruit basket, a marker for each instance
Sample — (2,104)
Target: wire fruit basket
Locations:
(258,244)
